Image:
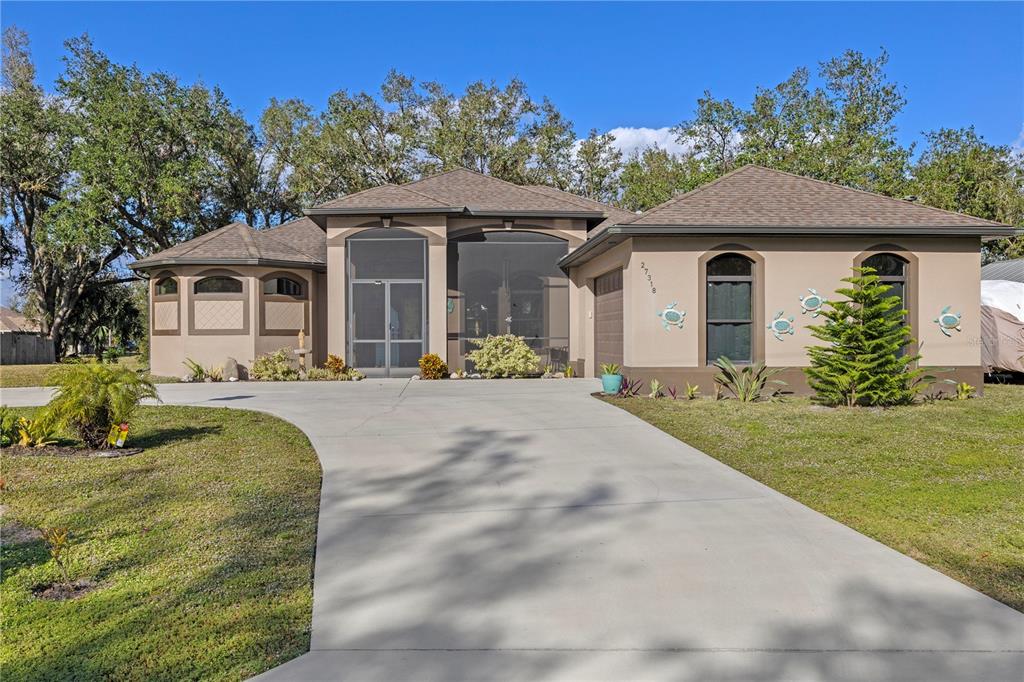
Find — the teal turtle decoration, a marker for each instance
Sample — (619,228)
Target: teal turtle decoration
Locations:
(670,317)
(811,303)
(781,325)
(948,322)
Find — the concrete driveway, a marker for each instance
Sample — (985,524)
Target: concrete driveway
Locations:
(522,530)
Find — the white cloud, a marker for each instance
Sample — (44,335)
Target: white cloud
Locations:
(629,140)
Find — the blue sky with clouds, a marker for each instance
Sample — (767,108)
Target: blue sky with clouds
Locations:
(632,68)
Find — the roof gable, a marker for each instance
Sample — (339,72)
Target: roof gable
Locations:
(755,196)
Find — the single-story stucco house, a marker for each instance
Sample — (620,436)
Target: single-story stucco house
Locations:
(734,268)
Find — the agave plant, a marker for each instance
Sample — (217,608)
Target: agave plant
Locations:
(748,383)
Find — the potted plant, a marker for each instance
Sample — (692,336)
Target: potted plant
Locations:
(611,380)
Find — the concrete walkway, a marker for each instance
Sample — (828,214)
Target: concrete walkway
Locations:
(522,530)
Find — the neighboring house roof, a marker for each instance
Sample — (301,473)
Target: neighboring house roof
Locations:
(298,243)
(758,196)
(13,321)
(1009,270)
(460,191)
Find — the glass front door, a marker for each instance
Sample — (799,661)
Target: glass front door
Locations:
(387,321)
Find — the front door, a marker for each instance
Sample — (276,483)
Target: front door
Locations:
(387,325)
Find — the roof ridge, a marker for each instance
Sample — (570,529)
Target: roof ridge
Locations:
(676,199)
(525,188)
(422,194)
(249,239)
(355,194)
(198,241)
(902,202)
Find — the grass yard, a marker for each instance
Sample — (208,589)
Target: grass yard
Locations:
(202,548)
(15,376)
(941,482)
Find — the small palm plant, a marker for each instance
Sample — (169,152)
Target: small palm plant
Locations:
(92,397)
(747,384)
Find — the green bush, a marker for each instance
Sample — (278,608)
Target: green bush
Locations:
(275,366)
(609,368)
(749,383)
(335,364)
(503,356)
(196,372)
(864,359)
(8,426)
(90,398)
(38,432)
(432,367)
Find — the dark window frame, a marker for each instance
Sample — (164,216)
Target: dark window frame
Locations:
(710,322)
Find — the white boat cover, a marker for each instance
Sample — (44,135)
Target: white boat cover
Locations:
(1002,325)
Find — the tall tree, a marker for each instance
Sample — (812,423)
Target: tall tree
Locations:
(148,150)
(653,175)
(596,167)
(959,171)
(64,245)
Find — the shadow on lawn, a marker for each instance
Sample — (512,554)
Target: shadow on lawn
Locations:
(158,437)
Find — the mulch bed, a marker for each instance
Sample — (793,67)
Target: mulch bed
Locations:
(70,451)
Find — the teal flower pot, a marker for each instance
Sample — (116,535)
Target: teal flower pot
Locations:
(611,383)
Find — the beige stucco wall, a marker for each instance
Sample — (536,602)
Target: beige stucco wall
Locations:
(168,352)
(948,273)
(437,230)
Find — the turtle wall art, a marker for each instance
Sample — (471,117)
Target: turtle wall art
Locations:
(670,317)
(781,325)
(948,322)
(812,303)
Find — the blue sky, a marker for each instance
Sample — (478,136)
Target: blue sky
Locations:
(607,66)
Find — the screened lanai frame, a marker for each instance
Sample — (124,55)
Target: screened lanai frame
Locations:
(389,235)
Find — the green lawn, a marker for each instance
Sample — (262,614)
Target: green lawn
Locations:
(941,482)
(14,376)
(202,547)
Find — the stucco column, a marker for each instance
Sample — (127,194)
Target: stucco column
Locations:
(337,292)
(437,297)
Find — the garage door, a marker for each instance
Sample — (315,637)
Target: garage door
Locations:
(608,319)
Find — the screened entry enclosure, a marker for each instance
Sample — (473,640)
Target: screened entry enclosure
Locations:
(387,307)
(508,282)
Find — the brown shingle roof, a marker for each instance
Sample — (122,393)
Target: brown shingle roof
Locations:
(615,214)
(457,191)
(762,197)
(293,242)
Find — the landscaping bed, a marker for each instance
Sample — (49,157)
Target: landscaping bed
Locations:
(939,481)
(192,559)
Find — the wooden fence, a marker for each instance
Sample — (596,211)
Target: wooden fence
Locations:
(25,348)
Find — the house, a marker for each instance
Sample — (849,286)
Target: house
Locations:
(21,342)
(736,268)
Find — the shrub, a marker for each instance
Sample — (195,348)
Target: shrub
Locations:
(964,391)
(196,372)
(38,432)
(432,367)
(609,368)
(92,397)
(274,366)
(692,391)
(320,374)
(215,373)
(503,356)
(8,426)
(570,372)
(749,383)
(58,543)
(863,360)
(335,364)
(656,387)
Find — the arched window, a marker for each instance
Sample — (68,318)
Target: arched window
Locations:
(892,270)
(730,308)
(282,286)
(166,286)
(218,285)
